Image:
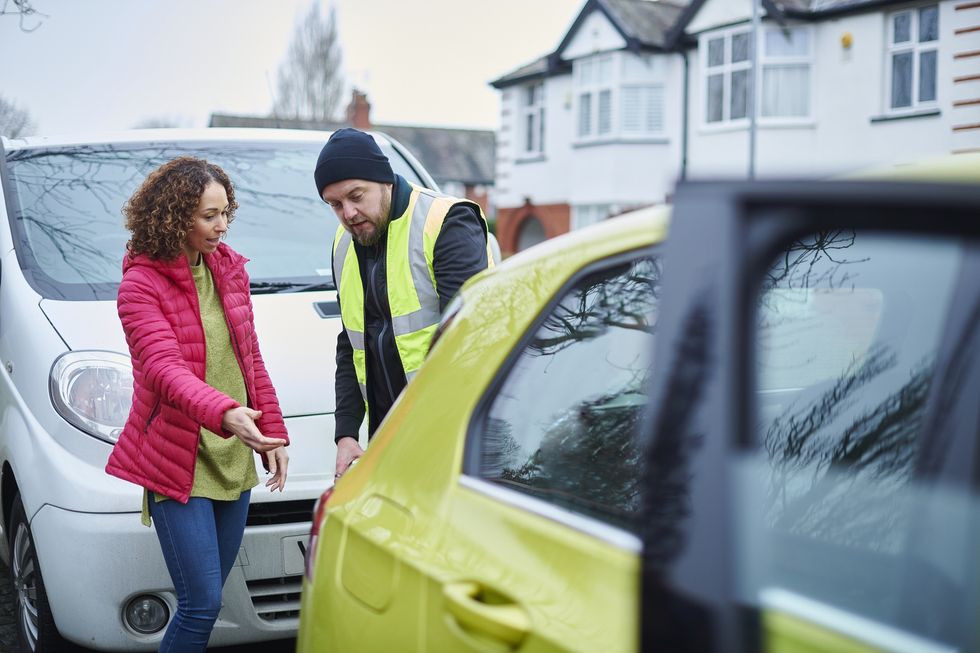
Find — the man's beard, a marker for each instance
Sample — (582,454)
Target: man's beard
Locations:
(372,238)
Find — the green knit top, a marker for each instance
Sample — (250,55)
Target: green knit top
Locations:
(225,467)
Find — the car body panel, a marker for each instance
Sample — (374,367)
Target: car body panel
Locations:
(296,372)
(707,353)
(408,539)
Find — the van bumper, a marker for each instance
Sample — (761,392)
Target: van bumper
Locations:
(112,558)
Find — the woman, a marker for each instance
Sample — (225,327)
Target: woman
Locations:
(202,399)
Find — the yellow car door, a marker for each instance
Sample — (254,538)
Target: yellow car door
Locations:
(815,422)
(536,551)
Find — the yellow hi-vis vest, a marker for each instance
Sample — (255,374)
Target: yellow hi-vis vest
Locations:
(412,295)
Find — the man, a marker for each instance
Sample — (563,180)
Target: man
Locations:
(399,256)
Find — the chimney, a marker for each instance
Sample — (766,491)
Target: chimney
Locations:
(359,111)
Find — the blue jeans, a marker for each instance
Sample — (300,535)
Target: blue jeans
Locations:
(200,541)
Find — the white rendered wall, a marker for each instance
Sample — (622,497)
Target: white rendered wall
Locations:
(849,90)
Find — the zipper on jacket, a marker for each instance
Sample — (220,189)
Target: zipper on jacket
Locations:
(234,342)
(377,303)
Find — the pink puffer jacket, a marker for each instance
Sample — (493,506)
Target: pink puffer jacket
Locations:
(161,317)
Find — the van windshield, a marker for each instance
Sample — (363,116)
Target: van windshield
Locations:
(65,207)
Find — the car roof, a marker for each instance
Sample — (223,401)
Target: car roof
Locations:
(206,134)
(953,168)
(640,228)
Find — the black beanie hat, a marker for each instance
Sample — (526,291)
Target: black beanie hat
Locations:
(351,154)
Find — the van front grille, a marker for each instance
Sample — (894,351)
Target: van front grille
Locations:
(275,599)
(280,512)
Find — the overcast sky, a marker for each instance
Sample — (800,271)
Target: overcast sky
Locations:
(109,64)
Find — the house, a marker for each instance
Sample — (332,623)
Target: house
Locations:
(460,160)
(843,84)
(592,128)
(641,93)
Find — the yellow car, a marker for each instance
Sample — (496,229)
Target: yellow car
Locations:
(470,524)
(758,434)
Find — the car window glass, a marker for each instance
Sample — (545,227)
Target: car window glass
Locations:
(562,427)
(70,233)
(847,334)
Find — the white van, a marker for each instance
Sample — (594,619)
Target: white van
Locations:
(83,567)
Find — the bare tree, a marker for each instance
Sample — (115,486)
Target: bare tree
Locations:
(14,121)
(310,82)
(160,122)
(24,11)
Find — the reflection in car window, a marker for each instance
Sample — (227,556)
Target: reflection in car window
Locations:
(563,426)
(67,219)
(849,326)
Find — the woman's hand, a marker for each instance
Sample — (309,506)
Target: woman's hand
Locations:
(278,462)
(241,423)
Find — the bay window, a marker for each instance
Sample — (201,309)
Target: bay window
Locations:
(618,95)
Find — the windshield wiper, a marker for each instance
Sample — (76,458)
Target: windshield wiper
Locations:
(271,287)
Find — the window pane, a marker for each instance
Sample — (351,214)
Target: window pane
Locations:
(716,52)
(605,112)
(902,27)
(902,80)
(605,70)
(740,94)
(630,109)
(928,24)
(847,336)
(584,114)
(787,43)
(541,130)
(636,68)
(927,76)
(654,109)
(529,133)
(716,91)
(786,91)
(740,47)
(570,438)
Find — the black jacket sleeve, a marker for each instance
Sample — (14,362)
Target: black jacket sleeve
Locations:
(349,412)
(460,252)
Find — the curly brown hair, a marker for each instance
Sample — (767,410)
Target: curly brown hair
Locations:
(161,211)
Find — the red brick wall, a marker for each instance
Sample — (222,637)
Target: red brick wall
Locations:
(556,219)
(478,194)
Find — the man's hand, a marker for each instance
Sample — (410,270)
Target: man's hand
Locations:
(278,462)
(241,423)
(348,450)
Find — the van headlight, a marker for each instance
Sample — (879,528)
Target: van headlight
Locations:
(93,390)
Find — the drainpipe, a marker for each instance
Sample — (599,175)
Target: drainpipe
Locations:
(753,86)
(685,120)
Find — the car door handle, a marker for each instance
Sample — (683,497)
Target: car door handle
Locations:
(487,612)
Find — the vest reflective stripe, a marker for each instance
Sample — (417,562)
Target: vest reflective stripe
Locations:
(411,284)
(345,270)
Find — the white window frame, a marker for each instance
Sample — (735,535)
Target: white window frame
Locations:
(776,61)
(587,90)
(532,113)
(584,215)
(916,48)
(599,102)
(650,90)
(765,60)
(725,69)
